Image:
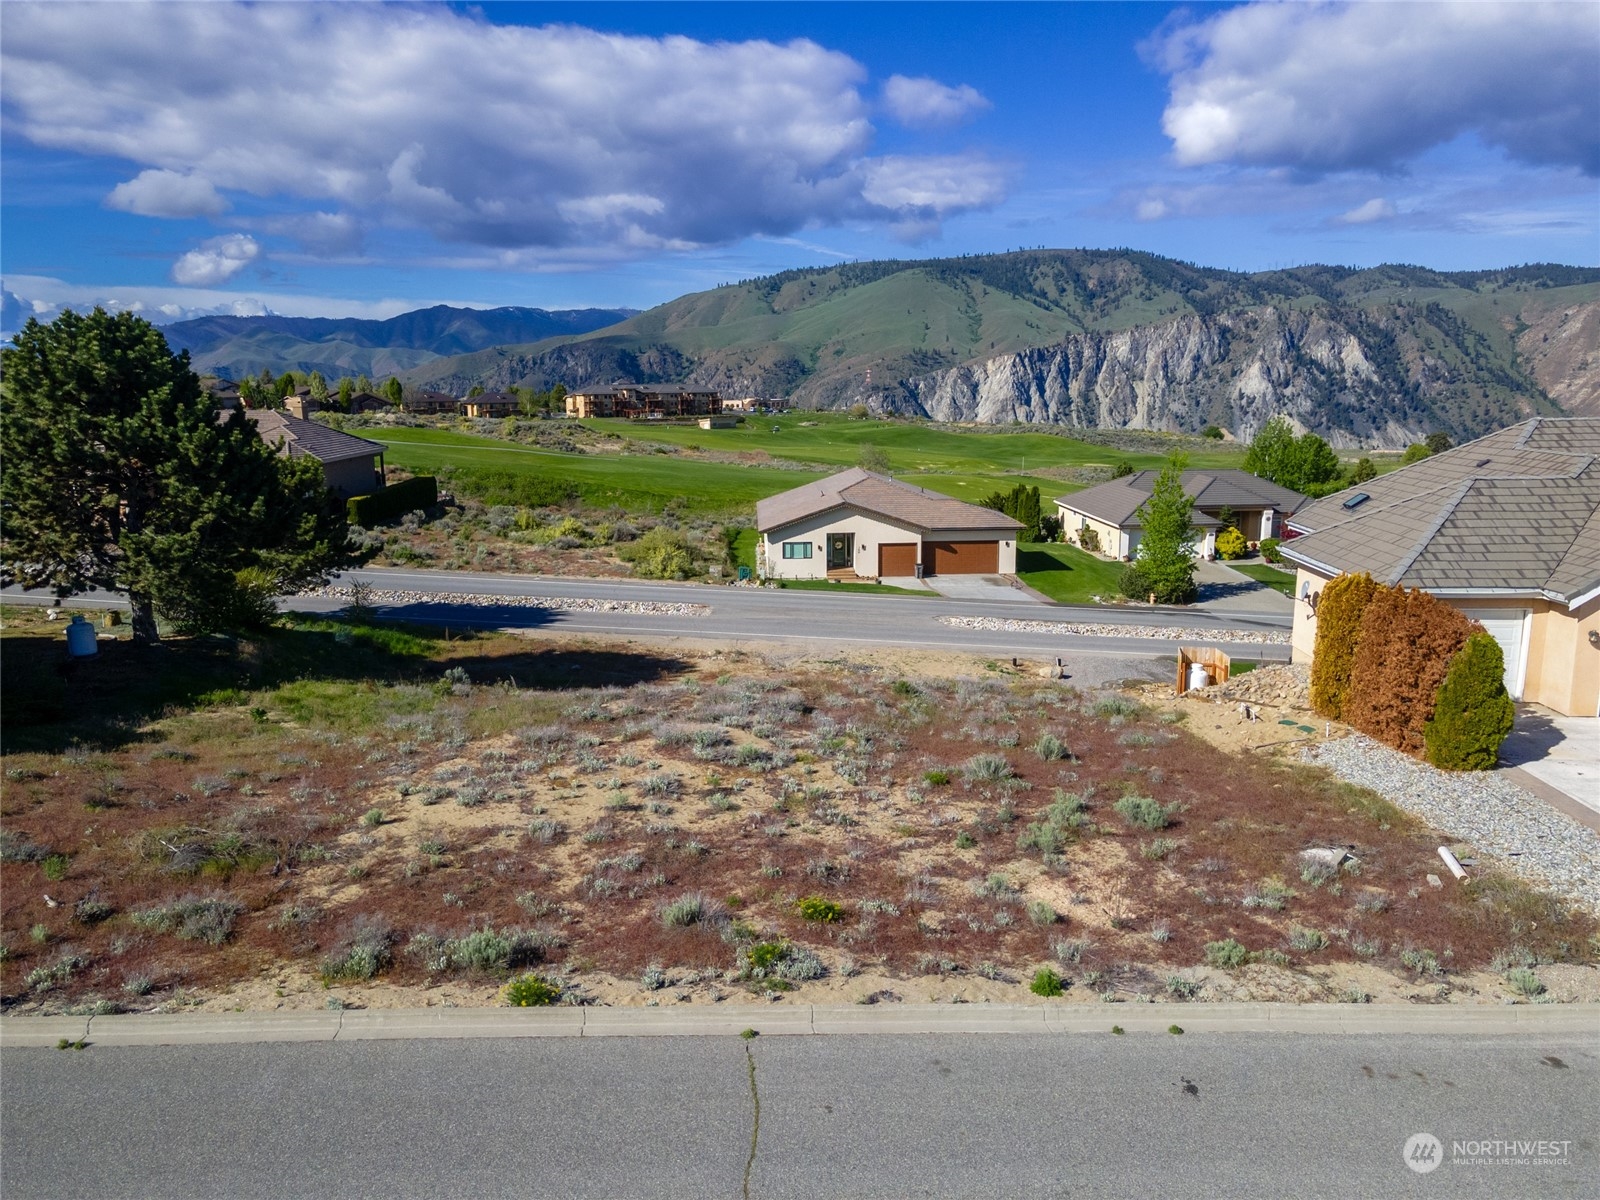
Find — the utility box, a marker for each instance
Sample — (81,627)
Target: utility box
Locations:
(1214,662)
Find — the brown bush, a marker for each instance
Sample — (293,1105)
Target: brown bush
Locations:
(1339,612)
(1402,656)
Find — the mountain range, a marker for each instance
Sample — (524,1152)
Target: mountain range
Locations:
(1376,357)
(238,346)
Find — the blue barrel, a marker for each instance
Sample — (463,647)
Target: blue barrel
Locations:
(81,638)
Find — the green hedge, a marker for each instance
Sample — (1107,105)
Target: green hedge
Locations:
(394,501)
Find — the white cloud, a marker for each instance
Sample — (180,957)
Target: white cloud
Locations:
(923,103)
(502,137)
(1329,87)
(163,193)
(1376,209)
(216,260)
(1152,208)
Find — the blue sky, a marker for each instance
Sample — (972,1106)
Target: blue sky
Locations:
(321,159)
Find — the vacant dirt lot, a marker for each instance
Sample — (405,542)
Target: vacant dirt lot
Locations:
(351,815)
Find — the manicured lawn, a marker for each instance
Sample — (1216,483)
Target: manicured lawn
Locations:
(1067,574)
(866,589)
(1278,580)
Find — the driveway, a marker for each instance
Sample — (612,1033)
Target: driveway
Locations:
(1560,752)
(1222,589)
(982,587)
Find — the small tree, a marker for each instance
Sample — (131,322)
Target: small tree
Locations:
(1339,611)
(1166,547)
(1407,641)
(1472,714)
(319,387)
(118,475)
(286,384)
(393,391)
(1363,471)
(1269,449)
(347,389)
(1214,432)
(1437,442)
(1415,453)
(871,458)
(1122,470)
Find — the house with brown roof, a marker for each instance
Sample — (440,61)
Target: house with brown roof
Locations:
(861,525)
(352,465)
(1254,506)
(1505,528)
(425,403)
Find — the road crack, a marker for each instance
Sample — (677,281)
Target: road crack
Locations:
(755,1122)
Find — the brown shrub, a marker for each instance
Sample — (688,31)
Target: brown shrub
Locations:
(1339,612)
(1407,641)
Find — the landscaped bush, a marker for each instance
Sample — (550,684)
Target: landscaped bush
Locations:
(1408,639)
(531,991)
(1473,714)
(394,501)
(1269,550)
(1132,583)
(1145,812)
(1339,612)
(1230,544)
(661,553)
(1089,539)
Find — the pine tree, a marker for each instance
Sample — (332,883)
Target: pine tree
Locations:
(119,476)
(1166,562)
(1339,611)
(393,390)
(286,384)
(319,387)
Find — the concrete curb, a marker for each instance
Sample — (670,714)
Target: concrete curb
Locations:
(190,1029)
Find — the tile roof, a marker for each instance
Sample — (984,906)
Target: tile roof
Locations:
(300,437)
(878,495)
(1516,511)
(1118,502)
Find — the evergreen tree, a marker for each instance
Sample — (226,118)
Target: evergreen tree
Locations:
(119,476)
(319,387)
(871,458)
(393,391)
(1363,471)
(363,384)
(1472,713)
(1437,443)
(1166,547)
(286,385)
(346,390)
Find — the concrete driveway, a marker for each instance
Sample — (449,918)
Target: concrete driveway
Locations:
(1560,752)
(982,587)
(1222,589)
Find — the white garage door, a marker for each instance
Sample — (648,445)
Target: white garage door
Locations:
(1506,626)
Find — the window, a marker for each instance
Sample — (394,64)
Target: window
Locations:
(797,549)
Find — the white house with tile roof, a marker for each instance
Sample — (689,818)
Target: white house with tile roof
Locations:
(861,525)
(1505,528)
(1256,507)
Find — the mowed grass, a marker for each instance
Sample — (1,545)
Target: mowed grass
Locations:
(1067,574)
(1281,581)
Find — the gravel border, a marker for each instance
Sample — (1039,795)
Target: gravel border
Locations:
(1166,633)
(554,603)
(1526,835)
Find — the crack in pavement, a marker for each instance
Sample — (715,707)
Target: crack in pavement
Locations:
(755,1124)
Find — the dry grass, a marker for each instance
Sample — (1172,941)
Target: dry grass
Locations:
(569,815)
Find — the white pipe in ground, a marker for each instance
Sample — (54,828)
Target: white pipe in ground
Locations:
(1453,863)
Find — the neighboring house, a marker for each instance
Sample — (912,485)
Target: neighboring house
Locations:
(425,403)
(643,401)
(367,402)
(492,404)
(858,524)
(1506,529)
(1258,508)
(353,466)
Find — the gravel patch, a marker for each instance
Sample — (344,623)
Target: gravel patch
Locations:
(1526,835)
(1165,633)
(554,603)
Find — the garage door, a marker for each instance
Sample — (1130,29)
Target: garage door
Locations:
(965,558)
(1505,625)
(897,560)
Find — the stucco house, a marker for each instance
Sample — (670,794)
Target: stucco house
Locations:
(1505,528)
(643,401)
(861,525)
(1257,508)
(492,404)
(352,465)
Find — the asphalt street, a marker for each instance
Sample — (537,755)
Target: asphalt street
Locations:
(1222,1115)
(818,618)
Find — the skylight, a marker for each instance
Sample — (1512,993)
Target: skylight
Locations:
(1357,500)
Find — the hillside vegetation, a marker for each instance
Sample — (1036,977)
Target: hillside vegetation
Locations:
(1116,339)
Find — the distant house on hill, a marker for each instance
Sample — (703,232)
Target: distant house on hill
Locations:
(1506,529)
(426,403)
(352,465)
(367,402)
(492,404)
(1257,509)
(643,401)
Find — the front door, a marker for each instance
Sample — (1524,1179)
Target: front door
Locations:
(841,550)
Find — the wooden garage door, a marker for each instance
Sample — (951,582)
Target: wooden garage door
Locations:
(897,560)
(965,558)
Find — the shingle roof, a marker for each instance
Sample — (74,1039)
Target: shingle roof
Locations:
(878,495)
(310,438)
(1118,502)
(1516,511)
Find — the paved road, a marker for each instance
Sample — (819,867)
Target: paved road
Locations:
(1228,1115)
(746,614)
